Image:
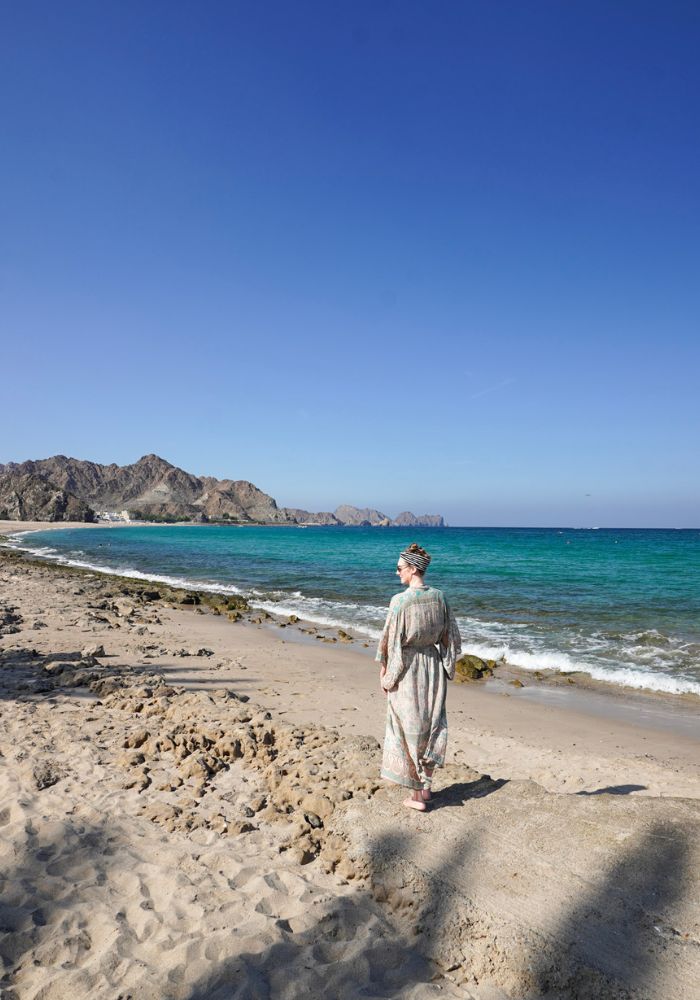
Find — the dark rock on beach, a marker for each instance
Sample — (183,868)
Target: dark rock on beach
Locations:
(471,668)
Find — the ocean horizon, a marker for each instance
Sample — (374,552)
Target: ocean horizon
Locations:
(619,604)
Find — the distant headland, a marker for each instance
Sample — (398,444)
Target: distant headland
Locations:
(70,489)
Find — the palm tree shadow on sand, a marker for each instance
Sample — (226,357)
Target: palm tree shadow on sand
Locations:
(600,948)
(353,950)
(618,933)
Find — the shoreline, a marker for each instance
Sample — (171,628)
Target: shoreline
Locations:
(190,806)
(544,712)
(536,680)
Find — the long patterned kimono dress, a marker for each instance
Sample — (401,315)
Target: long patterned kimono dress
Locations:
(419,646)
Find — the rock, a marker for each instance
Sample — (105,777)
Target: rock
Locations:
(229,748)
(47,773)
(303,852)
(105,686)
(318,804)
(470,668)
(293,619)
(137,739)
(242,827)
(56,667)
(128,760)
(139,780)
(203,651)
(234,603)
(195,767)
(161,812)
(516,683)
(97,651)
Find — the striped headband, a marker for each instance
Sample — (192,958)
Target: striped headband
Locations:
(421,562)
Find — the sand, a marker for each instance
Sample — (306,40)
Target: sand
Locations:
(193,810)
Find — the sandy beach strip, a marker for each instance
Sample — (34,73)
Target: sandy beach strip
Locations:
(193,809)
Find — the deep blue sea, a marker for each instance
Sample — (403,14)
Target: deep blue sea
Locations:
(620,605)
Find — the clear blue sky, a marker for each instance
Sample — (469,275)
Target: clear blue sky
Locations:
(443,257)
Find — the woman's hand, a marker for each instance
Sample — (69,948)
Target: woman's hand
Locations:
(382,674)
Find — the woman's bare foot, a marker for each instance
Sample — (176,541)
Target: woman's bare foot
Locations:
(415,801)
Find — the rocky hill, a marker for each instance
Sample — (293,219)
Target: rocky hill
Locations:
(364,516)
(153,489)
(298,516)
(26,497)
(408,520)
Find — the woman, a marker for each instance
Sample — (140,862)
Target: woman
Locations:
(418,649)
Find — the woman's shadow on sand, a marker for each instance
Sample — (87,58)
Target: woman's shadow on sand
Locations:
(455,795)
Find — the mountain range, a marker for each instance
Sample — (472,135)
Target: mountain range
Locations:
(70,489)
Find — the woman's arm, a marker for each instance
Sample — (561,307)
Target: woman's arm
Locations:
(450,642)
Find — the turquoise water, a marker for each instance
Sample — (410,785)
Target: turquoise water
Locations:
(621,605)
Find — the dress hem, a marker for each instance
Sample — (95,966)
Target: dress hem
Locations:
(404,782)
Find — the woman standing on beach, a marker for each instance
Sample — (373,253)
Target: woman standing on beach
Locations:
(418,649)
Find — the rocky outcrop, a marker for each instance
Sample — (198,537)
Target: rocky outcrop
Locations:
(153,489)
(27,497)
(362,516)
(408,520)
(238,500)
(368,517)
(299,516)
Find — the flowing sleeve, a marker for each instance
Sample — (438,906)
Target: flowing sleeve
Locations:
(389,652)
(450,642)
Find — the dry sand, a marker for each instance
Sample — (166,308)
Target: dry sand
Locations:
(197,814)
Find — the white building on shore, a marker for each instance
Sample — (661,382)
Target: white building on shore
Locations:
(119,516)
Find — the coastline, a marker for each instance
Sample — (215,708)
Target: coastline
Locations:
(209,786)
(538,681)
(603,717)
